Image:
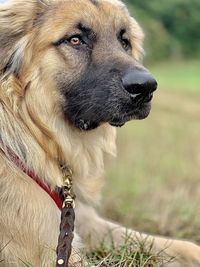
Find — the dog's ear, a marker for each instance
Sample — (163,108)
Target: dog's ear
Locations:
(17,20)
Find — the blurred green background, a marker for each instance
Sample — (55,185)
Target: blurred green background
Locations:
(172,27)
(154,184)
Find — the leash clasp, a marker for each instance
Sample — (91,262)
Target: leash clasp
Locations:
(68,194)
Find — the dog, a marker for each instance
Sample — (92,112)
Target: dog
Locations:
(70,73)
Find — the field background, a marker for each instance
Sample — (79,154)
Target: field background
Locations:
(154,184)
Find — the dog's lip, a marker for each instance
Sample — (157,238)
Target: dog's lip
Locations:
(142,98)
(134,114)
(148,97)
(117,124)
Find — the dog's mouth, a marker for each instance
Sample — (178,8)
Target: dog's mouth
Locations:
(137,114)
(137,107)
(141,111)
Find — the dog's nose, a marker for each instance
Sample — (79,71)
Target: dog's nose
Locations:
(138,82)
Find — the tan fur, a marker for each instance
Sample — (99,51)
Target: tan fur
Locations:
(33,127)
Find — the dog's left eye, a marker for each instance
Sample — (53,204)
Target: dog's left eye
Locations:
(125,44)
(123,39)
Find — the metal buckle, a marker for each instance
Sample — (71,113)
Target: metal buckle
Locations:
(68,193)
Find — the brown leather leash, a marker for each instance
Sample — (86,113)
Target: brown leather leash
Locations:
(66,235)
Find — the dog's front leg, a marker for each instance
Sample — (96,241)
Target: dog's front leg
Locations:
(94,230)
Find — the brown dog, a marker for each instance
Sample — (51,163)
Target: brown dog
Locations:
(70,70)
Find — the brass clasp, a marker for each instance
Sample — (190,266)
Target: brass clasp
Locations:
(69,196)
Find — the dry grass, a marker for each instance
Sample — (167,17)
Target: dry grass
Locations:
(131,253)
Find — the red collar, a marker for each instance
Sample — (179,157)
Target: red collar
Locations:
(15,159)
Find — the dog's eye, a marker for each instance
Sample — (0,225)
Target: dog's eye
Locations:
(123,39)
(125,44)
(75,40)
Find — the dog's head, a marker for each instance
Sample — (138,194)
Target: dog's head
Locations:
(86,53)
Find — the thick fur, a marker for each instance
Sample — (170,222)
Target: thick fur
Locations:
(34,125)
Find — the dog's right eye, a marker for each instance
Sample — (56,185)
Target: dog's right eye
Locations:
(75,41)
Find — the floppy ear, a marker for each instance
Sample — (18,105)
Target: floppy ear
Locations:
(17,20)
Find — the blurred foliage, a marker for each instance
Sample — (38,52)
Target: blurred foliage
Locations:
(172,27)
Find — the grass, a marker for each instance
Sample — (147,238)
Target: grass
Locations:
(153,186)
(131,253)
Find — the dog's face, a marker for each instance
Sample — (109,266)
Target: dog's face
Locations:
(90,51)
